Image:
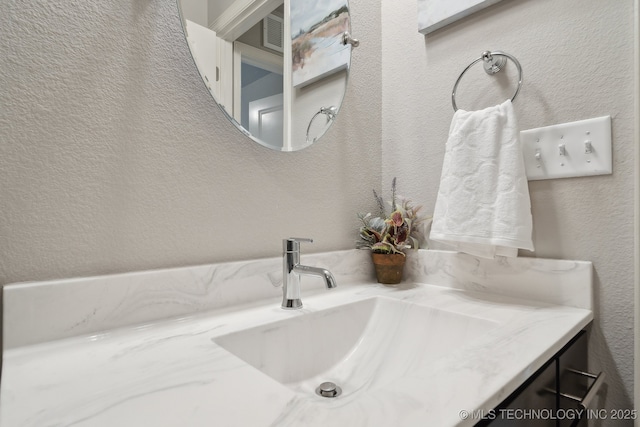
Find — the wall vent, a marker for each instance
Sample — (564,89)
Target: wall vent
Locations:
(273,32)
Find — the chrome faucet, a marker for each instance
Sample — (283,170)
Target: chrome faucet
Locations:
(292,269)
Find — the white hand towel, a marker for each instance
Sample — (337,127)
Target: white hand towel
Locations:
(483,206)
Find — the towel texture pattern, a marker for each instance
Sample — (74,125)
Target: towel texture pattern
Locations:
(483,205)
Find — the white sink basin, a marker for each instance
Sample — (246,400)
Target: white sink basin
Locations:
(359,346)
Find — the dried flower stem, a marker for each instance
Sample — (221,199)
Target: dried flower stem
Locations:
(393,194)
(380,204)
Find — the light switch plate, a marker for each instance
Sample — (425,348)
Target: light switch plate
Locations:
(581,148)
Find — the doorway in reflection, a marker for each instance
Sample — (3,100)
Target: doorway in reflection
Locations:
(262,101)
(242,61)
(243,50)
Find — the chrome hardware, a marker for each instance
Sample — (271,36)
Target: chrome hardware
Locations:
(292,269)
(330,112)
(591,391)
(328,389)
(347,39)
(493,63)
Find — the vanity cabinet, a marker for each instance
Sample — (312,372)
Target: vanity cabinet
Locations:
(572,365)
(537,403)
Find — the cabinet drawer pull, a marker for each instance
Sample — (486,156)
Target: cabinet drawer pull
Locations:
(591,391)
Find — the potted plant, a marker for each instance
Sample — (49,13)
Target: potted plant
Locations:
(389,234)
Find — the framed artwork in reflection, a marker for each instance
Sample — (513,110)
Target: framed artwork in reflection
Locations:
(317,29)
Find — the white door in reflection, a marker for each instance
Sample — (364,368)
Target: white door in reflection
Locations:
(266,118)
(259,93)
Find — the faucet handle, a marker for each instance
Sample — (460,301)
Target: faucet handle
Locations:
(292,244)
(300,239)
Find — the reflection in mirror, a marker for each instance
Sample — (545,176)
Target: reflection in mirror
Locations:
(258,97)
(277,68)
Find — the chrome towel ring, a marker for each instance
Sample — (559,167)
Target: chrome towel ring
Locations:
(330,112)
(493,63)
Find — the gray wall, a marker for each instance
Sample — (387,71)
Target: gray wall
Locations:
(577,57)
(114,157)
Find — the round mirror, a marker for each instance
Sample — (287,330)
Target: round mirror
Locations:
(277,68)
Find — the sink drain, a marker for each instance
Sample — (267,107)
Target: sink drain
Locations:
(328,389)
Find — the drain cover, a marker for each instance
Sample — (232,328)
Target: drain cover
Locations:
(328,389)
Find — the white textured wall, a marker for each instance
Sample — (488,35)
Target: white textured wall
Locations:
(114,157)
(577,57)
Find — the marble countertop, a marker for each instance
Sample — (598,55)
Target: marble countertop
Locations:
(170,372)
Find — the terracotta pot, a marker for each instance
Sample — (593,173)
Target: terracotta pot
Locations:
(388,267)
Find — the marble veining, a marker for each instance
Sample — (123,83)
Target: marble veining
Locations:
(177,371)
(553,281)
(43,311)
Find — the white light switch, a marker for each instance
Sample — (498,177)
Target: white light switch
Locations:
(581,148)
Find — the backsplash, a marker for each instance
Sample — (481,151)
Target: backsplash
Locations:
(43,311)
(536,279)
